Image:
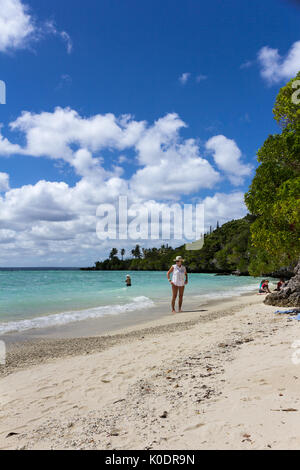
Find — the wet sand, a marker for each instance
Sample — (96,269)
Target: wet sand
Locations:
(90,336)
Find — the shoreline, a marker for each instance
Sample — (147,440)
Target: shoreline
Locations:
(26,350)
(112,323)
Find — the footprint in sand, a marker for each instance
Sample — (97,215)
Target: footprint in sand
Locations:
(263,382)
(196,426)
(42,389)
(33,420)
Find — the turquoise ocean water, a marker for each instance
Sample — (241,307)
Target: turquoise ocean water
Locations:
(38,299)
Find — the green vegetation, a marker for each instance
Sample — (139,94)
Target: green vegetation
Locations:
(274,195)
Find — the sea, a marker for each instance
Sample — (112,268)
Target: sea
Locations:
(33,299)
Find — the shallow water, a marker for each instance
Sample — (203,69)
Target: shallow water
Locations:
(39,299)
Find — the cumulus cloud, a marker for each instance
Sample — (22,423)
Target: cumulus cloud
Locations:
(18,28)
(54,134)
(53,221)
(224,207)
(4,182)
(7,236)
(170,166)
(7,148)
(275,67)
(58,221)
(155,139)
(227,157)
(175,170)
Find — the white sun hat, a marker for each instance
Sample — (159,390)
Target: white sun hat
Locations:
(179,258)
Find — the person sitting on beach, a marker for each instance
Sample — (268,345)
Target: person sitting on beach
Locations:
(128,281)
(178,282)
(264,287)
(280,285)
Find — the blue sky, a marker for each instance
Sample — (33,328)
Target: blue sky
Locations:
(207,73)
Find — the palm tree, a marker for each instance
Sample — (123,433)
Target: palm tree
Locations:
(137,252)
(122,253)
(113,253)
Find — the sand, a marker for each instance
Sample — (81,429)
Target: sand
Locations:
(222,378)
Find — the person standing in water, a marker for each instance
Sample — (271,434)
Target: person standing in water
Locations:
(128,281)
(178,282)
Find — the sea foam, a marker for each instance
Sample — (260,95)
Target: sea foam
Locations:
(57,319)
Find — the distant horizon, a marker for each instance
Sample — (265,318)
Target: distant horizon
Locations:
(39,267)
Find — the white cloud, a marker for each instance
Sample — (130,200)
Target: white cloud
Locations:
(54,134)
(56,221)
(123,159)
(176,169)
(275,67)
(6,148)
(7,236)
(184,78)
(16,25)
(223,207)
(44,201)
(18,28)
(4,182)
(227,157)
(170,166)
(153,141)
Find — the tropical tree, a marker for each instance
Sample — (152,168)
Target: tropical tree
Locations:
(136,252)
(274,195)
(113,253)
(123,253)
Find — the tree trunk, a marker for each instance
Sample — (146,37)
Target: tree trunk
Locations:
(289,296)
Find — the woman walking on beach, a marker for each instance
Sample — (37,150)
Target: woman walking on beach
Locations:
(178,282)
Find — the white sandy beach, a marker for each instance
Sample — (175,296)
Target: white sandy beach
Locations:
(219,379)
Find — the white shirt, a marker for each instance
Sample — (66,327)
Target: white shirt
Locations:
(178,278)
